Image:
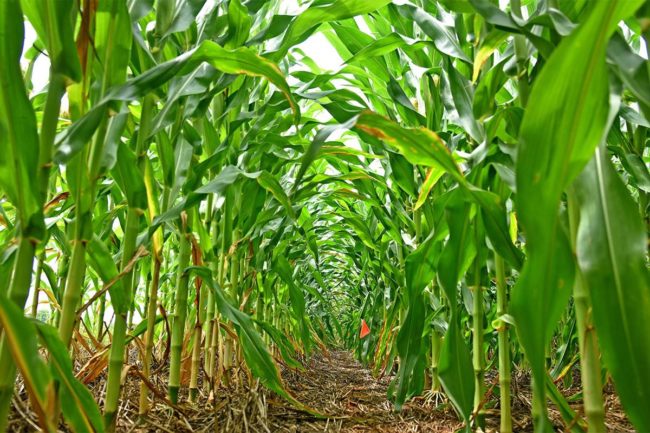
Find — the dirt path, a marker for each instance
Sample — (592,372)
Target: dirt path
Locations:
(335,385)
(352,401)
(340,387)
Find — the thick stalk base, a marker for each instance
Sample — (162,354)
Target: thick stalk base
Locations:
(7,381)
(6,392)
(172,393)
(194,394)
(110,421)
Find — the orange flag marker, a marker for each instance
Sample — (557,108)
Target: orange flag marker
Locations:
(364,329)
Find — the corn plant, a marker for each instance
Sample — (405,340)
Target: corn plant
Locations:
(471,181)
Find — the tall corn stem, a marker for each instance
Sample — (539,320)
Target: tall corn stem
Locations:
(504,347)
(18,290)
(157,259)
(37,283)
(196,349)
(478,358)
(178,330)
(521,54)
(100,318)
(72,293)
(200,307)
(133,217)
(149,336)
(118,346)
(587,338)
(435,356)
(152,298)
(229,351)
(22,273)
(210,312)
(61,277)
(88,168)
(215,339)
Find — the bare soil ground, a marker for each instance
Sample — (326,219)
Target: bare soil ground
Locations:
(339,386)
(334,385)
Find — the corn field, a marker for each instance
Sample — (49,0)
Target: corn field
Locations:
(193,208)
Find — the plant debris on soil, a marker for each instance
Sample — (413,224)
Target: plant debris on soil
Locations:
(337,385)
(342,394)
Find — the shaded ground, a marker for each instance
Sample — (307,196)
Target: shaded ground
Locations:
(339,386)
(334,385)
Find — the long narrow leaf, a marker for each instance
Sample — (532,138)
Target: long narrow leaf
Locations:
(612,252)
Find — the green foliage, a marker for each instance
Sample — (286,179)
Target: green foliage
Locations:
(554,147)
(612,255)
(18,133)
(291,202)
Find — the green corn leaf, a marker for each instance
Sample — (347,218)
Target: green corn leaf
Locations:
(129,179)
(242,61)
(360,228)
(239,24)
(503,21)
(183,154)
(141,327)
(100,258)
(227,177)
(403,104)
(139,8)
(419,272)
(385,45)
(612,249)
(19,155)
(271,184)
(113,139)
(462,96)
(314,147)
(488,46)
(496,227)
(443,38)
(419,146)
(112,40)
(20,336)
(283,268)
(456,371)
(419,266)
(257,356)
(53,24)
(410,379)
(176,16)
(402,172)
(569,416)
(79,407)
(276,27)
(282,341)
(237,61)
(433,176)
(455,364)
(487,89)
(422,146)
(630,67)
(191,84)
(316,15)
(555,144)
(459,251)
